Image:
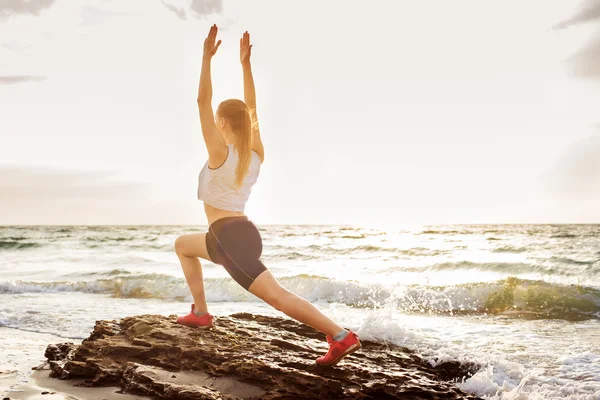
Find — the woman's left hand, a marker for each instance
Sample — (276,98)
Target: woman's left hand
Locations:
(210,48)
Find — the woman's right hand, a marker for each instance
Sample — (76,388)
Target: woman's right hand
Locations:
(210,48)
(245,48)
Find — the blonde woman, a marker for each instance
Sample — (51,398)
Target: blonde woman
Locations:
(235,155)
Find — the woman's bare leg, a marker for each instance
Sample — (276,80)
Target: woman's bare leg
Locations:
(188,249)
(266,287)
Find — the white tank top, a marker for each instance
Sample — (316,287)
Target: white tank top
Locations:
(216,187)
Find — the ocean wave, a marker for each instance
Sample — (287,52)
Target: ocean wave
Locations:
(551,269)
(365,248)
(511,268)
(138,286)
(14,238)
(315,251)
(108,239)
(17,245)
(440,232)
(566,260)
(144,243)
(510,249)
(514,297)
(163,247)
(511,297)
(290,255)
(361,236)
(423,252)
(342,234)
(112,272)
(563,236)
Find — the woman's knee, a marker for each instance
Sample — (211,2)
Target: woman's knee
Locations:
(180,246)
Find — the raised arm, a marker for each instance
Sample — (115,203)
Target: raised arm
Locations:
(250,93)
(215,144)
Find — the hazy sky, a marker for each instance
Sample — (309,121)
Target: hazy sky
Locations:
(378,113)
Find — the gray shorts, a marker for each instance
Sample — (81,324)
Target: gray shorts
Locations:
(236,244)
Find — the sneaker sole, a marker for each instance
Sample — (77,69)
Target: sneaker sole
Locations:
(348,351)
(197,326)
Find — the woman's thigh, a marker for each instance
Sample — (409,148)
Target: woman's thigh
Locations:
(192,245)
(267,287)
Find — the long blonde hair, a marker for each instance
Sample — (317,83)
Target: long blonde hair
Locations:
(239,116)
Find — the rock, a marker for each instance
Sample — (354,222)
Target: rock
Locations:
(58,352)
(245,356)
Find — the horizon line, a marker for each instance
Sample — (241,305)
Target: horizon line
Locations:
(323,224)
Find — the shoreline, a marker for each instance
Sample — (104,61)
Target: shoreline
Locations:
(65,390)
(41,387)
(21,351)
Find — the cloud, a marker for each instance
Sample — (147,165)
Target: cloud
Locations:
(198,8)
(585,62)
(204,7)
(10,8)
(13,79)
(180,12)
(590,12)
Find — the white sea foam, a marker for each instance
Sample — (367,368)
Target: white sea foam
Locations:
(511,296)
(540,369)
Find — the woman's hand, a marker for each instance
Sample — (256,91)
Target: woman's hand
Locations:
(245,48)
(210,48)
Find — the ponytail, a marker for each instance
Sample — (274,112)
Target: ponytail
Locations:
(237,113)
(244,148)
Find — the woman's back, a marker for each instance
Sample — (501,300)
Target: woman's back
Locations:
(216,187)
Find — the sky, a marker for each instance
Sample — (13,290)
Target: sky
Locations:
(371,113)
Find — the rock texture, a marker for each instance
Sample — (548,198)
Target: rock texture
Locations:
(245,356)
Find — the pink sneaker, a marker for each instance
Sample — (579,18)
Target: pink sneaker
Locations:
(339,349)
(203,322)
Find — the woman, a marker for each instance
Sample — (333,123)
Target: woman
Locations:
(235,154)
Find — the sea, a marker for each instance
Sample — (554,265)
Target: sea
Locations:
(521,301)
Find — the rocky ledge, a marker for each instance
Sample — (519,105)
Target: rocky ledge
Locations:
(245,356)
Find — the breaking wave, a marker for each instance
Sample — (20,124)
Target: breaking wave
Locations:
(512,296)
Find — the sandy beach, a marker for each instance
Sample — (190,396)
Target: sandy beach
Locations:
(20,351)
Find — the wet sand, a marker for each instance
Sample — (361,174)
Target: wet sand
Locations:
(20,351)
